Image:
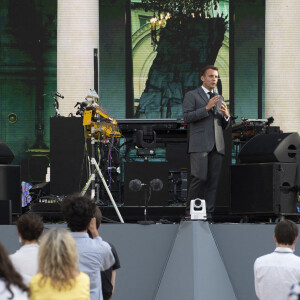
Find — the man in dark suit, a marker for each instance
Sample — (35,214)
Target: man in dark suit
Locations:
(207,116)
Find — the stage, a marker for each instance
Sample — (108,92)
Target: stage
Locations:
(186,260)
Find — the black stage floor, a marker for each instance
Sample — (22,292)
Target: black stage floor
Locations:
(161,214)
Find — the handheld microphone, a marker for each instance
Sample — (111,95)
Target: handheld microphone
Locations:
(59,95)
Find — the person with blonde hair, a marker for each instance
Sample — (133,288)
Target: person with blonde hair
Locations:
(58,274)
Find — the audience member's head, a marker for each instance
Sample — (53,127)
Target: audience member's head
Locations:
(30,227)
(286,232)
(78,211)
(8,273)
(58,258)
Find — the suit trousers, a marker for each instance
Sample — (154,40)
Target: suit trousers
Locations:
(204,179)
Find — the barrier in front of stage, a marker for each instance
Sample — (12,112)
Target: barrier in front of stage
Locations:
(191,260)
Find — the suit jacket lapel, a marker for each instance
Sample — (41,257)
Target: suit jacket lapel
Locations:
(202,94)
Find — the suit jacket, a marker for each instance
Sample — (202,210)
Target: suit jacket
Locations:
(205,127)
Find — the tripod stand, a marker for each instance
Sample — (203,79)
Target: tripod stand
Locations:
(94,168)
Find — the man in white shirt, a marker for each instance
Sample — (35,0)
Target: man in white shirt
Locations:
(25,260)
(275,273)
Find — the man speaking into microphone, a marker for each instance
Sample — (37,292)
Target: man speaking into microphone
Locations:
(207,116)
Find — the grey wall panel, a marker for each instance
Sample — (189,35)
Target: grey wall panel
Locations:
(9,238)
(240,245)
(143,251)
(192,260)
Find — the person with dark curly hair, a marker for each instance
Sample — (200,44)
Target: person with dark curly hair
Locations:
(11,282)
(108,277)
(30,228)
(95,255)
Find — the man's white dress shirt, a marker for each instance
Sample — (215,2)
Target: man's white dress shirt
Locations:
(25,261)
(275,273)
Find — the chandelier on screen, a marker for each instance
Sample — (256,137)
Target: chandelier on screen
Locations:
(164,9)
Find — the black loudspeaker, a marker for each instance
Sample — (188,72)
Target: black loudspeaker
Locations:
(5,212)
(10,186)
(222,204)
(274,147)
(68,172)
(6,155)
(145,172)
(266,188)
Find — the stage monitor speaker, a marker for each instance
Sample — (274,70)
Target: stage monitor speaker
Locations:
(10,186)
(265,189)
(6,155)
(5,212)
(68,173)
(145,172)
(273,147)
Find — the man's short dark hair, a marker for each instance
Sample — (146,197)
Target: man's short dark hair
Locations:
(286,232)
(30,226)
(208,67)
(78,211)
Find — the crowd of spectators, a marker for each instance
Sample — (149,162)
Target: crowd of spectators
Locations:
(60,264)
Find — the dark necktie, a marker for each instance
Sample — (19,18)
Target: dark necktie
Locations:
(211,95)
(214,110)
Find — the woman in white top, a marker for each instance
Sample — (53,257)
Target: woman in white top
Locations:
(25,260)
(11,282)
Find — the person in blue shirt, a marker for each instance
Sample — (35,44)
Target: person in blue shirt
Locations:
(108,277)
(95,255)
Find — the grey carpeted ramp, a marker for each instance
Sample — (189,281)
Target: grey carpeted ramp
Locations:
(195,269)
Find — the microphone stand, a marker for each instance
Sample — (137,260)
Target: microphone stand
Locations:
(147,196)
